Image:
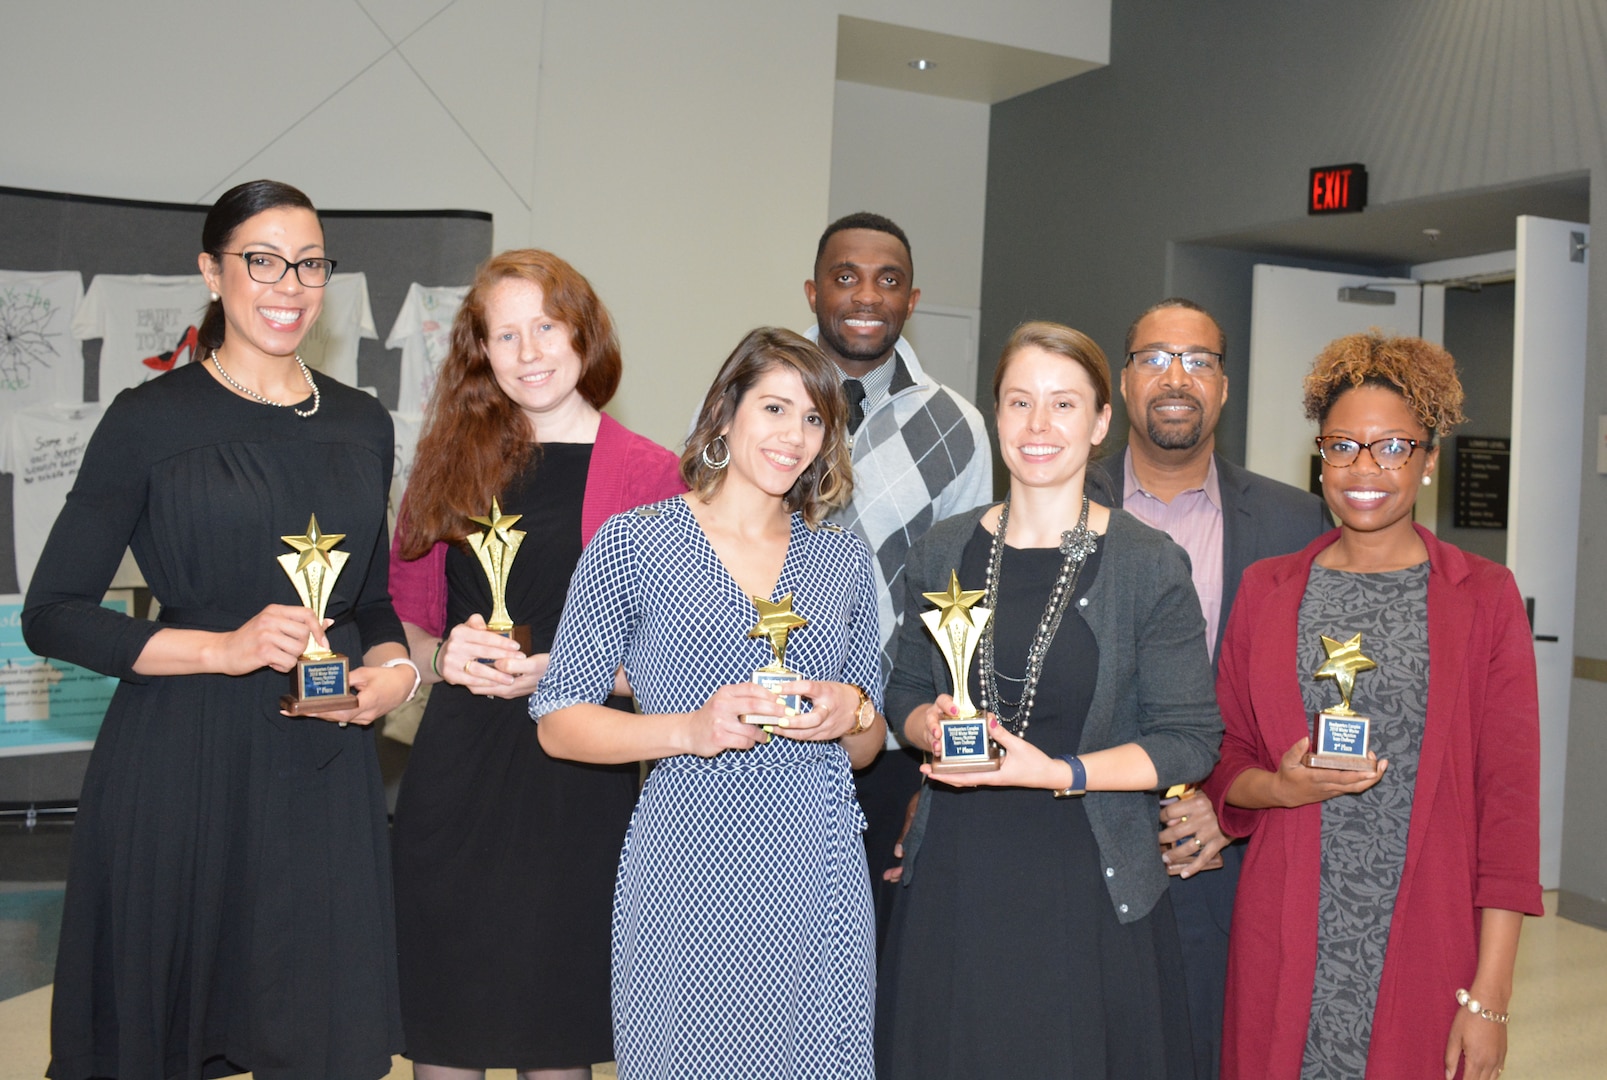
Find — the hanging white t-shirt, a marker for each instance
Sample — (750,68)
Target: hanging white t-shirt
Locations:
(40,360)
(42,447)
(423,332)
(147,323)
(407,430)
(331,344)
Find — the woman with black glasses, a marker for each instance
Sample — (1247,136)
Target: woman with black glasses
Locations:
(228,904)
(1378,911)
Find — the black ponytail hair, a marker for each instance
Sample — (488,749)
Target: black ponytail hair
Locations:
(234,208)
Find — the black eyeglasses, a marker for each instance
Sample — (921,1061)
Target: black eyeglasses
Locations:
(1194,361)
(266,268)
(1342,453)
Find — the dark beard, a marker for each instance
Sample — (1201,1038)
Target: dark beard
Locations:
(1170,438)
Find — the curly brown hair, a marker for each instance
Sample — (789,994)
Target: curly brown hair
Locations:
(1420,371)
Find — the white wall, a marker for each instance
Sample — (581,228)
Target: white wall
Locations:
(922,161)
(683,162)
(679,155)
(1078,28)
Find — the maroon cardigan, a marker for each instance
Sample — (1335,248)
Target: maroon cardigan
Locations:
(627,470)
(1474,837)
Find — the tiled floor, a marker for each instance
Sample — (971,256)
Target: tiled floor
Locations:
(1557,1031)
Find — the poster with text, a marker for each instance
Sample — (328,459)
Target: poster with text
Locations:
(48,706)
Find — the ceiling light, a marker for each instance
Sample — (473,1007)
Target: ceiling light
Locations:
(923,64)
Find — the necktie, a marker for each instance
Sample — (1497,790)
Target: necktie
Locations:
(856,403)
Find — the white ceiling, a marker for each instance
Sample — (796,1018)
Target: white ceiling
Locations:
(879,54)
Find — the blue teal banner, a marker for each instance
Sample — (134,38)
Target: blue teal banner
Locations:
(47,706)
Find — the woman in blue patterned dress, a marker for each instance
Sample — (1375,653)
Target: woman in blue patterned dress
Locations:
(743,929)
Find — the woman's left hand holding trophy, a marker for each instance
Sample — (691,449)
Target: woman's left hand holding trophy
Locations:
(487,663)
(1021,765)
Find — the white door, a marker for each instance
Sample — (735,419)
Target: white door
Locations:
(1293,314)
(1548,384)
(945,340)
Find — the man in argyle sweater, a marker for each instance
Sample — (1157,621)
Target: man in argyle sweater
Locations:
(920,454)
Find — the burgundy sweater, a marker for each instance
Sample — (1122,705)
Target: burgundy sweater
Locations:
(1474,837)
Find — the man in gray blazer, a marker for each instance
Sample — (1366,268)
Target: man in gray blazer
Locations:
(1225,517)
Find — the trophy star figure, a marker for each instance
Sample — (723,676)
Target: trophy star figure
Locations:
(495,548)
(500,525)
(1343,663)
(312,570)
(776,620)
(956,603)
(314,546)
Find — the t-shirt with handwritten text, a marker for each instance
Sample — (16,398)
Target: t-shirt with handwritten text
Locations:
(147,322)
(42,447)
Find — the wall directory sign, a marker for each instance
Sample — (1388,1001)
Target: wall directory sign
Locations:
(1483,476)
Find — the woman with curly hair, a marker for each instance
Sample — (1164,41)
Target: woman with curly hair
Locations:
(504,856)
(1377,918)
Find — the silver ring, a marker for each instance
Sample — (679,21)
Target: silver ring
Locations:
(343,723)
(1198,843)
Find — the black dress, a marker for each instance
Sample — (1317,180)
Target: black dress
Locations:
(505,857)
(1005,958)
(228,901)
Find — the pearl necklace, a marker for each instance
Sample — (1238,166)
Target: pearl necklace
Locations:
(317,399)
(1075,547)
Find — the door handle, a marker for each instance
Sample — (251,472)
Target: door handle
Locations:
(1528,609)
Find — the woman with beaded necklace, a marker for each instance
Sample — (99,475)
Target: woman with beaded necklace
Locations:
(1035,936)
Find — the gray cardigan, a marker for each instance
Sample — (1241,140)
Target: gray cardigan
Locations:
(1154,685)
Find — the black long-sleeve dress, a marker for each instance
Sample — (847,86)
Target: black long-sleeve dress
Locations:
(229,898)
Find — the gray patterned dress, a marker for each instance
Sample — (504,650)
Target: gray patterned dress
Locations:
(1363,836)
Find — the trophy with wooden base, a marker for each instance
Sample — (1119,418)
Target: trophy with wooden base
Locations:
(1339,740)
(776,621)
(957,625)
(495,548)
(318,683)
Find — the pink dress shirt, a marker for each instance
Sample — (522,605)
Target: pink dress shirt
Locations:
(1194,520)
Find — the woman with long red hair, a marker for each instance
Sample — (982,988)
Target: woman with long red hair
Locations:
(505,857)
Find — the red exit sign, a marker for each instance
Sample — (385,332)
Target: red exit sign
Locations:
(1337,189)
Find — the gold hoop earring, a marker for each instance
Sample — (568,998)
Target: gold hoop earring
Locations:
(724,446)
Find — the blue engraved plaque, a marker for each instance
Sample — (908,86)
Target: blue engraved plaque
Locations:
(1341,742)
(319,686)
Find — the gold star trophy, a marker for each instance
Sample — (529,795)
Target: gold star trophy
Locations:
(957,625)
(776,621)
(318,683)
(495,548)
(1340,738)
